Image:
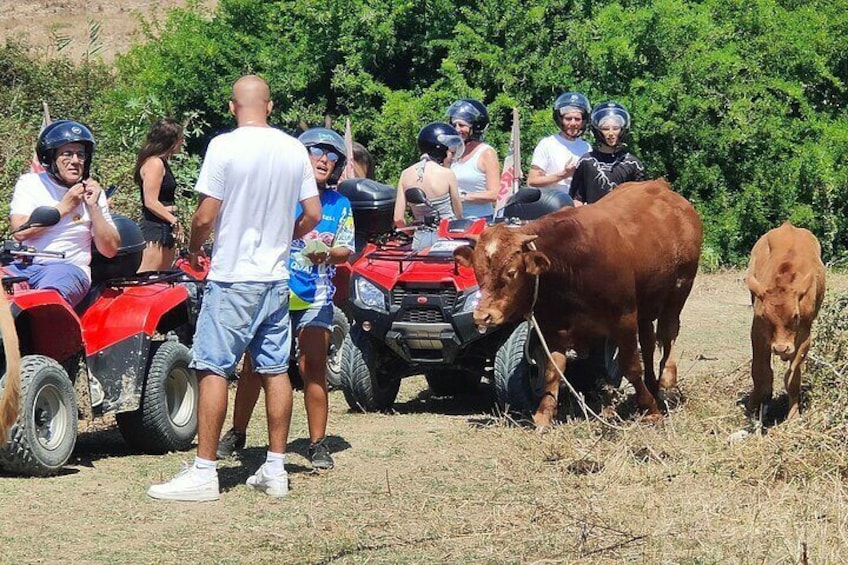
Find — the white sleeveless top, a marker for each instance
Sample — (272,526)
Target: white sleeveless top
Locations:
(471,179)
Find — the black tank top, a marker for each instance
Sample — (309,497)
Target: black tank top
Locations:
(166,194)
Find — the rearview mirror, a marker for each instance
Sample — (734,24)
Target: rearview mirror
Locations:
(415,195)
(41,217)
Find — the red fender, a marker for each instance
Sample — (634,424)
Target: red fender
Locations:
(120,313)
(46,323)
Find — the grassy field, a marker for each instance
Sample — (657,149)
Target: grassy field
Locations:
(449,481)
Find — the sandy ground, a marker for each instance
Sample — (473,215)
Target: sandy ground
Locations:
(42,22)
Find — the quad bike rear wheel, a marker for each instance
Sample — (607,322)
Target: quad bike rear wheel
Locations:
(365,389)
(43,438)
(518,383)
(166,420)
(340,329)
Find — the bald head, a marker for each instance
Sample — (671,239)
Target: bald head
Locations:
(251,100)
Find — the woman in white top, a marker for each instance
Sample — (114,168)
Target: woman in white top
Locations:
(555,157)
(439,143)
(477,171)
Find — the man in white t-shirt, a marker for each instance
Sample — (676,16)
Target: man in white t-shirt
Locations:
(555,157)
(250,183)
(65,149)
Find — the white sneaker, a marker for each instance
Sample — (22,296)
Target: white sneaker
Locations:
(271,485)
(187,485)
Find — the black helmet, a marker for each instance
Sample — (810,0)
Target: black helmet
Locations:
(437,138)
(59,133)
(573,100)
(328,138)
(610,110)
(472,112)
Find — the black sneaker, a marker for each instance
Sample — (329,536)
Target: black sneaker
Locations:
(232,442)
(319,455)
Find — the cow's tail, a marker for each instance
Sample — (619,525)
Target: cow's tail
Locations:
(11,398)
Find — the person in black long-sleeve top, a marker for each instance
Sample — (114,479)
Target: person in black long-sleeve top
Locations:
(609,163)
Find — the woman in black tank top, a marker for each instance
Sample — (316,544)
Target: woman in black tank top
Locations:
(153,175)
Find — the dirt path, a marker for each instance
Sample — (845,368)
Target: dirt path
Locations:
(444,480)
(44,22)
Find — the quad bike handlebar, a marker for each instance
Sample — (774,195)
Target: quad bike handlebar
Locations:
(15,250)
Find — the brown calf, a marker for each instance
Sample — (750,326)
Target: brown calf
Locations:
(786,278)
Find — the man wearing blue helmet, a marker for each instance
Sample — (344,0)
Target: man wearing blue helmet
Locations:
(609,163)
(555,157)
(65,149)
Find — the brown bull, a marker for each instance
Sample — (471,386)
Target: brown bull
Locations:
(11,397)
(786,278)
(609,269)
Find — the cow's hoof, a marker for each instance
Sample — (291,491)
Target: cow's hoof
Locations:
(794,412)
(609,414)
(655,419)
(544,421)
(671,398)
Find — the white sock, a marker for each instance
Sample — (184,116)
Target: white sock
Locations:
(205,468)
(275,463)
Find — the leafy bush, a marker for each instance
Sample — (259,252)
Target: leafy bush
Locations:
(741,105)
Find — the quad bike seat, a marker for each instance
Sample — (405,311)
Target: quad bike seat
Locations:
(530,203)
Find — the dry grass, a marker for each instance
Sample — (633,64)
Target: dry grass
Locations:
(445,480)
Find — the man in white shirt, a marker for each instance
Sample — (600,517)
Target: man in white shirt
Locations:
(555,157)
(65,149)
(250,183)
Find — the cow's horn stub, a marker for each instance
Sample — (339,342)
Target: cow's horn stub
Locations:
(527,240)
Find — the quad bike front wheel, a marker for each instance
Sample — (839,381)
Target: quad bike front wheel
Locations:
(365,389)
(166,420)
(518,383)
(43,438)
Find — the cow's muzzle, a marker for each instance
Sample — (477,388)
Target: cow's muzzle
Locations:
(783,350)
(487,317)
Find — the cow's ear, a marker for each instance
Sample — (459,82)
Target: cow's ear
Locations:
(755,286)
(536,263)
(463,255)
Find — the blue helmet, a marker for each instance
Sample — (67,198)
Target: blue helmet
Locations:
(472,112)
(330,139)
(437,138)
(59,133)
(610,110)
(571,100)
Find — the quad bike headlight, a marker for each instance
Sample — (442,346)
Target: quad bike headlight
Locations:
(370,296)
(471,301)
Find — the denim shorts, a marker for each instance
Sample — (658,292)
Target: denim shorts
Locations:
(313,317)
(239,317)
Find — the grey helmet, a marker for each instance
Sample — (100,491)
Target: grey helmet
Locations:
(330,139)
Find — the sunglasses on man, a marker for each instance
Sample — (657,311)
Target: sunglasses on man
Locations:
(317,152)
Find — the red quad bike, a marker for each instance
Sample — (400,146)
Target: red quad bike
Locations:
(132,331)
(413,314)
(341,325)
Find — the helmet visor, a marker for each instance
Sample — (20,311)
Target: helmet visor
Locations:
(461,110)
(454,144)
